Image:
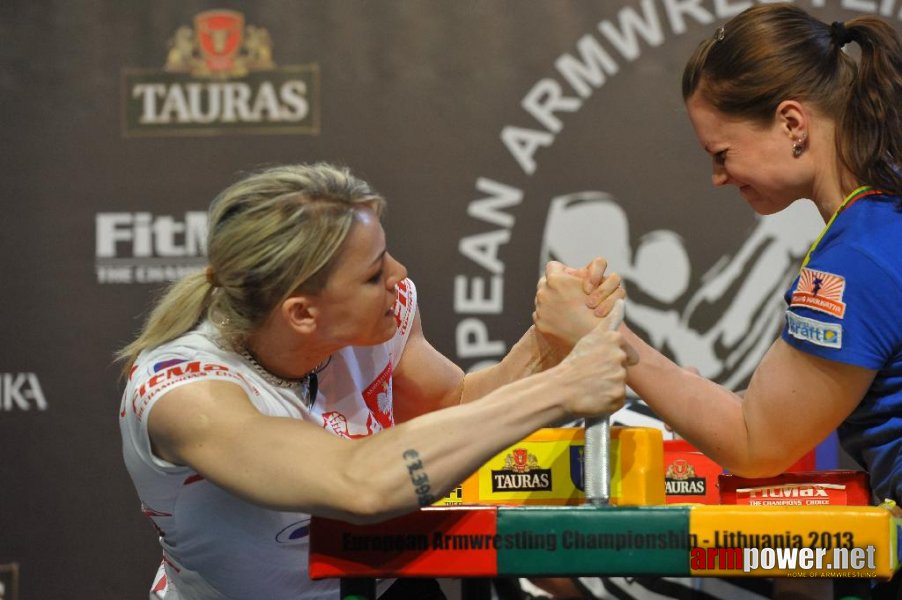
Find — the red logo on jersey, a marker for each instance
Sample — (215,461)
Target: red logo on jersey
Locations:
(402,306)
(377,396)
(168,376)
(338,423)
(820,291)
(182,371)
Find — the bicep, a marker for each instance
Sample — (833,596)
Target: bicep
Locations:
(795,400)
(213,428)
(424,380)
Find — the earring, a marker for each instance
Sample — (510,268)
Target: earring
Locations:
(798,146)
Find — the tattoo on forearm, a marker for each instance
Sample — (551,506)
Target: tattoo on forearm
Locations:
(418,477)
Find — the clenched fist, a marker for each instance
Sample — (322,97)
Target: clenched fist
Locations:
(594,372)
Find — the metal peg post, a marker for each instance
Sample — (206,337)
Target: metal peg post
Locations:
(597,451)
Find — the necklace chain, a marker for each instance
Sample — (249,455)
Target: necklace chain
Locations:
(309,380)
(269,376)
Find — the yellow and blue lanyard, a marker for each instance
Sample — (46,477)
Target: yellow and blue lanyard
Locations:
(855,196)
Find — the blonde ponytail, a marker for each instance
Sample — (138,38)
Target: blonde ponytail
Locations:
(178,311)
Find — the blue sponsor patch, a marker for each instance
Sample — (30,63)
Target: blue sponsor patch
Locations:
(166,364)
(294,533)
(824,334)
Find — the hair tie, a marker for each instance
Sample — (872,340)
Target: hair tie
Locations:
(839,34)
(211,276)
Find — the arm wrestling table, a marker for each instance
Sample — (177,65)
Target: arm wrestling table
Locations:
(487,541)
(478,542)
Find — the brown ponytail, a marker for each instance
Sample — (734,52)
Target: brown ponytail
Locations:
(871,121)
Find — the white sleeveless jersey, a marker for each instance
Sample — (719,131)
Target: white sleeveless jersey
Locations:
(215,545)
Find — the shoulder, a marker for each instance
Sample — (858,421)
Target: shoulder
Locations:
(192,409)
(846,304)
(189,359)
(872,224)
(867,243)
(202,418)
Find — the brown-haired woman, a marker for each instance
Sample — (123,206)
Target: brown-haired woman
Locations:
(786,113)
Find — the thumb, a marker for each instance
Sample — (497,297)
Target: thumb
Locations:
(554,266)
(614,318)
(611,322)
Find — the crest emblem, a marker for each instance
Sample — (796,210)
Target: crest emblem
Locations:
(520,461)
(680,469)
(219,35)
(219,47)
(378,398)
(820,291)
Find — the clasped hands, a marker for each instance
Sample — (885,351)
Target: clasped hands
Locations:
(579,311)
(570,302)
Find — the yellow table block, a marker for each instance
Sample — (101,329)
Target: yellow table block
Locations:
(546,468)
(811,541)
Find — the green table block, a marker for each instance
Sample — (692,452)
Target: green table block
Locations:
(590,540)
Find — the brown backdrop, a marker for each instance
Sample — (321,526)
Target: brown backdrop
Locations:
(502,132)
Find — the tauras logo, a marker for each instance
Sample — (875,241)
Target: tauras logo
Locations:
(508,481)
(220,78)
(21,391)
(140,247)
(694,486)
(521,473)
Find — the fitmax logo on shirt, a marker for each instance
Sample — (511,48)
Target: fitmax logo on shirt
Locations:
(139,247)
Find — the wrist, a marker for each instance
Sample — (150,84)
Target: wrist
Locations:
(545,352)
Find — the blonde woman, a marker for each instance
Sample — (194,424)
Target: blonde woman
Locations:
(292,378)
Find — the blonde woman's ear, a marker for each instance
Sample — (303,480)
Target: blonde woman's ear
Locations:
(300,313)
